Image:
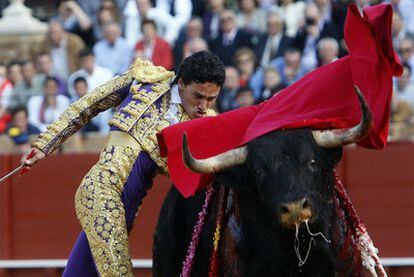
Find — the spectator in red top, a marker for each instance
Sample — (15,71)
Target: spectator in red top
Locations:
(6,89)
(152,47)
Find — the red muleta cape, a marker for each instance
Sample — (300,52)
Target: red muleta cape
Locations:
(323,99)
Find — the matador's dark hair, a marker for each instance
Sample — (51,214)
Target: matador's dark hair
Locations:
(201,67)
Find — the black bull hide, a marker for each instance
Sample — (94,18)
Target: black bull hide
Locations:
(283,169)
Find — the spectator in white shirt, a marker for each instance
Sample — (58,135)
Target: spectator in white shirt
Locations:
(95,76)
(46,108)
(135,11)
(176,11)
(406,9)
(113,51)
(328,50)
(292,13)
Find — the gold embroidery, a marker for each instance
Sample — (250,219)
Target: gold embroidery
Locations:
(148,126)
(135,88)
(101,213)
(122,139)
(142,119)
(119,120)
(139,104)
(144,71)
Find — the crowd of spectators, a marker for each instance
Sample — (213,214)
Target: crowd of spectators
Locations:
(266,45)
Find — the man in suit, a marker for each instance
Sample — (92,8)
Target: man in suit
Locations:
(272,44)
(192,30)
(64,49)
(316,28)
(230,38)
(211,18)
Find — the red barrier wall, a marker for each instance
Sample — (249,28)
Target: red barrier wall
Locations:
(37,218)
(381,184)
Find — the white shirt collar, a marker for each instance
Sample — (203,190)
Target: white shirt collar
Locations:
(276,38)
(175,96)
(62,44)
(172,113)
(230,35)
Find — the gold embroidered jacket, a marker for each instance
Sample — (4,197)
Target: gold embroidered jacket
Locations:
(141,111)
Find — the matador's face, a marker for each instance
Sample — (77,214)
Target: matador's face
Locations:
(197,98)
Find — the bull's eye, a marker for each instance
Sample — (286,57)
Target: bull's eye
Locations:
(312,164)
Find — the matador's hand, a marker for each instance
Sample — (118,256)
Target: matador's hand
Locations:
(32,157)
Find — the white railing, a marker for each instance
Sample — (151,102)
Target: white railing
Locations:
(147,263)
(136,263)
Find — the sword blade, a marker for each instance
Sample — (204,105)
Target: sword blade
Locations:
(11,173)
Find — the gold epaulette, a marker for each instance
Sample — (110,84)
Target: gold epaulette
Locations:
(145,72)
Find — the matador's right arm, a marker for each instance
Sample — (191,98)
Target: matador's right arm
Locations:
(100,99)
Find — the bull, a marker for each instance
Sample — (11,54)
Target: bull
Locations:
(281,215)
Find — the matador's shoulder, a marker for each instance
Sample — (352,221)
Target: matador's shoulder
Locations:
(145,72)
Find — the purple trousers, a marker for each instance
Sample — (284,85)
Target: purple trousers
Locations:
(80,262)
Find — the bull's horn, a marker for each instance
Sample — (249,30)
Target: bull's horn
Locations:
(338,137)
(213,164)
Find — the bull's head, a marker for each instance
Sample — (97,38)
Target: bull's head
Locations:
(290,171)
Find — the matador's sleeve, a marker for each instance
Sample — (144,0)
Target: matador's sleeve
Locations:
(82,111)
(100,99)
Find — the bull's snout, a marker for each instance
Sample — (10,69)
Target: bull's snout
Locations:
(293,213)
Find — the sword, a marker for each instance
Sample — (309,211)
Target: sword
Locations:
(11,173)
(24,170)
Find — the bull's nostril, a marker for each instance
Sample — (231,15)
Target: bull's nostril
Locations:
(294,213)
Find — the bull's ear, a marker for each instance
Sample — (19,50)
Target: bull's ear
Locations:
(235,177)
